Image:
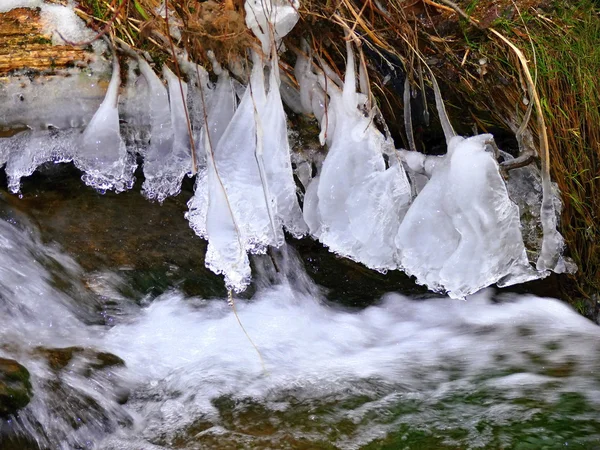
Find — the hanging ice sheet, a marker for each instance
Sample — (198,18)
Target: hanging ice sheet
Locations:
(462,232)
(220,107)
(199,84)
(226,253)
(210,214)
(250,169)
(168,157)
(161,131)
(102,154)
(273,132)
(237,159)
(357,202)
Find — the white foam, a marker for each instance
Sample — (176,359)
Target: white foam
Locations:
(183,354)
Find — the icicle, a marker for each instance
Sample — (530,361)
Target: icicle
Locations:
(312,96)
(178,103)
(277,155)
(102,154)
(236,161)
(219,110)
(330,73)
(133,108)
(290,94)
(225,253)
(449,132)
(553,243)
(462,232)
(161,134)
(252,163)
(356,204)
(258,96)
(199,83)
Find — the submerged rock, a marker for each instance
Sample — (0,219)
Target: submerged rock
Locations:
(15,387)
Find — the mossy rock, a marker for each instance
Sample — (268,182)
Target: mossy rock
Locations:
(15,387)
(59,358)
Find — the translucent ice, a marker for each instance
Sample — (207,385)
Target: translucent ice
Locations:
(26,151)
(356,204)
(225,253)
(249,171)
(312,96)
(102,154)
(161,131)
(199,84)
(276,150)
(271,20)
(168,157)
(525,188)
(239,159)
(64,100)
(178,92)
(462,233)
(220,106)
(210,213)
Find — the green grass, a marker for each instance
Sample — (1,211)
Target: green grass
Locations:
(568,66)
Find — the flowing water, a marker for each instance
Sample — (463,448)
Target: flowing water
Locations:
(131,344)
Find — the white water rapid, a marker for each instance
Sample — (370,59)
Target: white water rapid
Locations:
(332,377)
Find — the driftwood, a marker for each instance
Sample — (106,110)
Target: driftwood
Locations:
(24,44)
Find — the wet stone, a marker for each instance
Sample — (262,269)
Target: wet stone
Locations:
(15,387)
(59,358)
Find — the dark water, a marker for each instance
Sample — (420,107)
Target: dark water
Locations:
(131,344)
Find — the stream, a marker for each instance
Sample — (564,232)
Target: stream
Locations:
(131,344)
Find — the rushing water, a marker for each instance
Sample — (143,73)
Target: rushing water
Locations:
(494,371)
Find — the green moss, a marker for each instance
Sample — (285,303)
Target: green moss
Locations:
(15,387)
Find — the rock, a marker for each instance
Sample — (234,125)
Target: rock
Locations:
(15,387)
(59,358)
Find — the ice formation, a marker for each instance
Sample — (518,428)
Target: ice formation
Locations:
(220,104)
(448,220)
(198,86)
(247,195)
(312,96)
(271,20)
(249,169)
(357,202)
(102,154)
(210,214)
(462,232)
(28,150)
(276,154)
(239,161)
(168,156)
(40,103)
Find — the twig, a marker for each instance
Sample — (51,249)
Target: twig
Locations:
(232,304)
